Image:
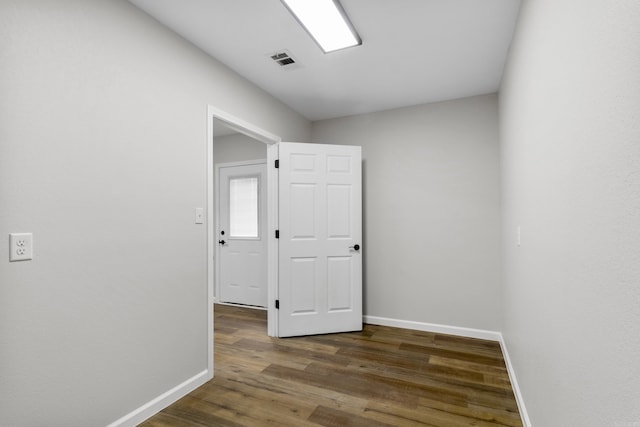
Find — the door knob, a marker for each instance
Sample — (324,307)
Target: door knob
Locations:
(221,242)
(355,247)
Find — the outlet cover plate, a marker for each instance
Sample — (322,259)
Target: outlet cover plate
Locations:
(20,246)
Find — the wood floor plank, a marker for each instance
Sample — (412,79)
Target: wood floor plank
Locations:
(255,404)
(381,376)
(468,366)
(423,415)
(275,351)
(351,385)
(294,391)
(493,416)
(453,354)
(386,388)
(331,417)
(164,419)
(199,413)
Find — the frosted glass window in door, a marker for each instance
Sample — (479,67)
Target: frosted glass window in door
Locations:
(243,207)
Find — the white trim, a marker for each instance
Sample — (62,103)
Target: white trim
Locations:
(210,245)
(272,249)
(514,384)
(152,407)
(241,163)
(463,332)
(434,327)
(242,126)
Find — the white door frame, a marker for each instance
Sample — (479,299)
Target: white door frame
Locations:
(272,141)
(216,197)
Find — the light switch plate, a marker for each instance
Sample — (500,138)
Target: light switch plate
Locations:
(199,216)
(20,246)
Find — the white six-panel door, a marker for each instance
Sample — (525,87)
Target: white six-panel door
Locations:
(320,225)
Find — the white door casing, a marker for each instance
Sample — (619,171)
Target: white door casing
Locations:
(320,226)
(242,226)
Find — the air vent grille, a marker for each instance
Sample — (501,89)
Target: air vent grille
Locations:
(284,59)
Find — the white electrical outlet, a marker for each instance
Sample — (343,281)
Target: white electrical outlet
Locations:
(20,246)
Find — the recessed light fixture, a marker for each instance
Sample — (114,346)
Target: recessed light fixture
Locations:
(326,23)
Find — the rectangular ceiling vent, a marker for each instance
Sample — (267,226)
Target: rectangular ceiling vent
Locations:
(284,59)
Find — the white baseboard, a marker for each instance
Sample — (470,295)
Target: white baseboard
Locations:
(154,406)
(514,384)
(434,327)
(463,332)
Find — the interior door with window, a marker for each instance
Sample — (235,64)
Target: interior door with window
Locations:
(320,228)
(242,234)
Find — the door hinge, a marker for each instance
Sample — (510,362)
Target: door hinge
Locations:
(277,163)
(278,304)
(277,234)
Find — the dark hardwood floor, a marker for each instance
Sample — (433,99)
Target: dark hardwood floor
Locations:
(378,377)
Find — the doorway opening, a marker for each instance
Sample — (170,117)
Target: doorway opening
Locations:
(241,227)
(220,124)
(313,233)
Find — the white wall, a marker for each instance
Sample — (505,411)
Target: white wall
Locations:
(570,132)
(431,210)
(238,147)
(103,157)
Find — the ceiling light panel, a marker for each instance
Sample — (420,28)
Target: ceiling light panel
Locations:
(326,23)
